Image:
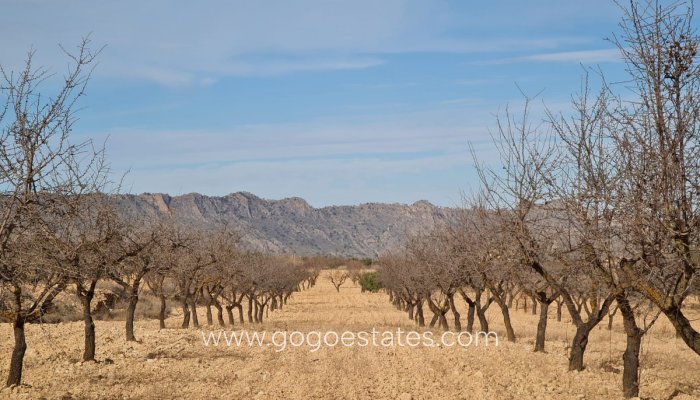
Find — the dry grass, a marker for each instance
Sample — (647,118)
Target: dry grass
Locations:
(174,363)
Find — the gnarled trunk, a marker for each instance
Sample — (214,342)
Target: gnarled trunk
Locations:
(241,319)
(161,313)
(455,313)
(560,304)
(542,327)
(419,313)
(630,371)
(690,336)
(131,311)
(250,309)
(578,346)
(14,377)
(219,313)
(185,313)
(483,322)
(85,295)
(210,316)
(229,312)
(470,317)
(193,312)
(89,350)
(498,297)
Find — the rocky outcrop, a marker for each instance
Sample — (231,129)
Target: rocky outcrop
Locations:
(292,225)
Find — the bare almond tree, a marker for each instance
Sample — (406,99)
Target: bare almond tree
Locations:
(520,193)
(82,244)
(38,164)
(338,277)
(658,137)
(136,257)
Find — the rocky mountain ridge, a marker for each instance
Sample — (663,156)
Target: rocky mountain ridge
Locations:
(292,225)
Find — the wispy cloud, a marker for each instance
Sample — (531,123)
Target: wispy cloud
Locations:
(193,44)
(256,68)
(309,158)
(583,56)
(463,102)
(579,56)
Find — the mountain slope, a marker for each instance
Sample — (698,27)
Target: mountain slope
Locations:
(292,225)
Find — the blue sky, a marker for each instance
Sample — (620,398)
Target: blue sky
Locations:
(339,102)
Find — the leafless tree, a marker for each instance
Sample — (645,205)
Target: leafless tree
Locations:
(38,165)
(658,137)
(520,193)
(139,242)
(338,277)
(82,244)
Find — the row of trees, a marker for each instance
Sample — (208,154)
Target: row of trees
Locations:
(60,228)
(596,209)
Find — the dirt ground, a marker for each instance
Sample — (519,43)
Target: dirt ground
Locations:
(174,363)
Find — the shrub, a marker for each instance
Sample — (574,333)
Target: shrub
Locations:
(369,282)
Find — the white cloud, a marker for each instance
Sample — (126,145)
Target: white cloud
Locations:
(328,161)
(463,102)
(583,56)
(199,42)
(580,56)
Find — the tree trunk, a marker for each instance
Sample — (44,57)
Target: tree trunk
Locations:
(510,332)
(483,322)
(241,319)
(229,312)
(131,311)
(89,350)
(193,312)
(455,313)
(419,313)
(433,320)
(17,360)
(161,314)
(470,317)
(443,321)
(256,317)
(85,295)
(261,313)
(583,330)
(185,313)
(560,304)
(690,336)
(438,315)
(219,314)
(578,346)
(250,309)
(210,316)
(410,311)
(630,372)
(542,327)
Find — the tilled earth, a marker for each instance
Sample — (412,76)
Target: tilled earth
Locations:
(175,363)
